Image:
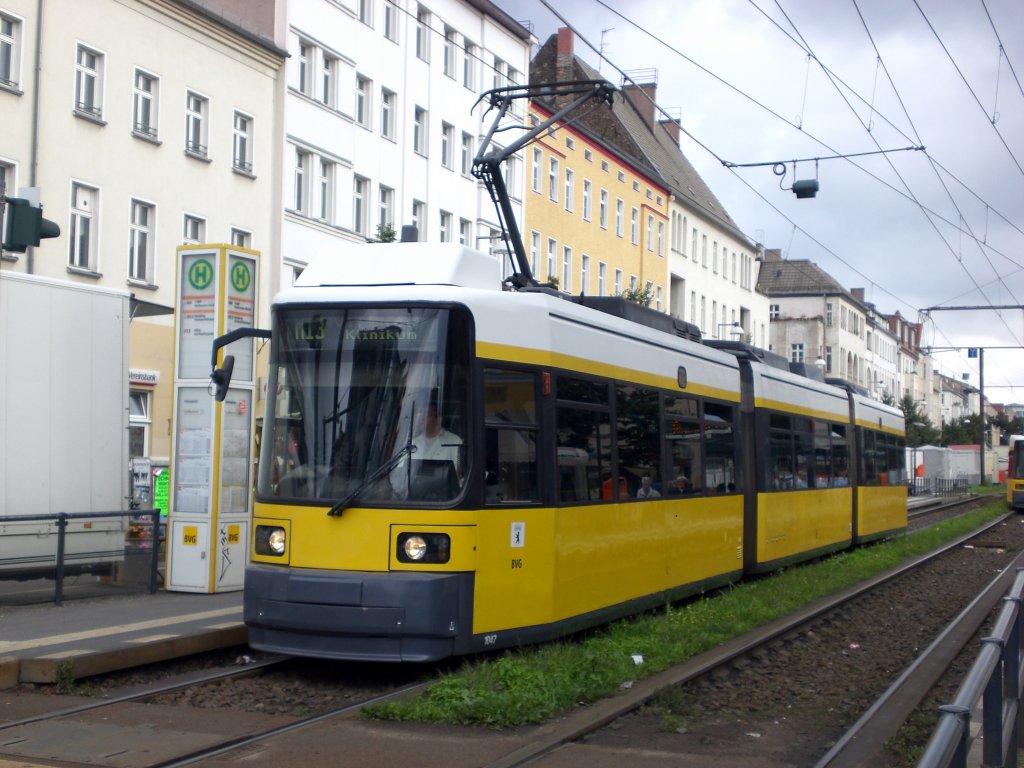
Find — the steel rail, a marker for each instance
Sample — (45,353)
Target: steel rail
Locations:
(866,738)
(183,681)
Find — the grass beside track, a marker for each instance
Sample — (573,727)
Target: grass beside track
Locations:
(529,685)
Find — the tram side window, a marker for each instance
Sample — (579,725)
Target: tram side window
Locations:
(510,416)
(840,457)
(683,446)
(870,462)
(780,447)
(895,460)
(803,444)
(822,455)
(720,444)
(583,424)
(636,432)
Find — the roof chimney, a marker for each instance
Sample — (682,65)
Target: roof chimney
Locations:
(643,97)
(857,293)
(773,254)
(672,127)
(564,59)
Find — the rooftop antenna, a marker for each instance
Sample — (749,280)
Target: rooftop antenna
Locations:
(600,53)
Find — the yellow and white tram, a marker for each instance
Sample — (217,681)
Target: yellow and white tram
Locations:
(449,467)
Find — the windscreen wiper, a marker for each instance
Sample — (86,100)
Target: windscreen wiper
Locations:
(376,475)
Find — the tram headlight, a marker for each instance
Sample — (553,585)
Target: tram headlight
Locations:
(424,547)
(270,540)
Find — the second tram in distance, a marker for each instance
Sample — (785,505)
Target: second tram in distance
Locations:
(448,467)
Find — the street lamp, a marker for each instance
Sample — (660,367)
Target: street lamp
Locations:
(736,329)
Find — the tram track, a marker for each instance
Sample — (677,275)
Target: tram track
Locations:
(549,745)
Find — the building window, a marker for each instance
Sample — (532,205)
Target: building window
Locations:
(366,11)
(419,219)
(82,240)
(566,269)
(304,64)
(618,282)
(359,189)
(193,230)
(89,82)
(620,212)
(658,297)
(537,182)
(362,109)
(552,249)
(704,250)
(447,145)
(602,217)
(602,276)
(650,232)
(469,65)
(145,104)
(328,78)
(300,196)
(387,114)
(586,200)
(10,53)
(196,110)
(634,226)
(534,251)
(241,237)
(466,232)
(828,313)
(241,143)
(325,186)
(467,154)
(553,179)
(385,208)
(445,222)
(419,131)
(450,47)
(773,311)
(390,20)
(139,422)
(661,238)
(584,273)
(140,244)
(570,188)
(423,33)
(796,353)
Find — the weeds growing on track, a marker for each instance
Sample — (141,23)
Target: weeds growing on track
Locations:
(529,685)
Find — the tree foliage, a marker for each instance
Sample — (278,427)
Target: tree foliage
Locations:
(920,430)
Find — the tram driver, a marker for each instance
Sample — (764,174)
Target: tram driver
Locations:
(434,469)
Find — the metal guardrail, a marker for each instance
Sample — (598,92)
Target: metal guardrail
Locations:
(62,519)
(938,486)
(995,680)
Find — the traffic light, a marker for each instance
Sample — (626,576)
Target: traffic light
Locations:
(26,225)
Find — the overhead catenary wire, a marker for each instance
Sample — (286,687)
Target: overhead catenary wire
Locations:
(712,153)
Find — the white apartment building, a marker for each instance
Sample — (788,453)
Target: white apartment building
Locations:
(815,320)
(145,124)
(380,125)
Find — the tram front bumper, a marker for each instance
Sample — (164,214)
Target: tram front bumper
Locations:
(396,616)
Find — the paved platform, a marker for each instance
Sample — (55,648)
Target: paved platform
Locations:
(86,637)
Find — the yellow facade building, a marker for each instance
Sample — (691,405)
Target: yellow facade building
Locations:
(595,222)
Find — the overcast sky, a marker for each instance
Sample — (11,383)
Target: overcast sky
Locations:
(885,74)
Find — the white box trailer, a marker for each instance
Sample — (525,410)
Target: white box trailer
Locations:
(63,423)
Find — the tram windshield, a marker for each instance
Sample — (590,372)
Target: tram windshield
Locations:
(1017,460)
(367,401)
